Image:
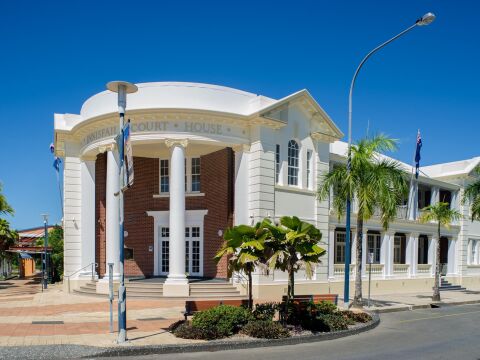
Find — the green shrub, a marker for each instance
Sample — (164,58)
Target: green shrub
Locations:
(223,320)
(265,329)
(325,308)
(265,311)
(331,322)
(187,331)
(349,316)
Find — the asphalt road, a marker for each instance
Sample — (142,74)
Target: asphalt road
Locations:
(451,332)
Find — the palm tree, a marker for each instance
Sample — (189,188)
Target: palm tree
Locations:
(293,245)
(443,216)
(5,208)
(472,194)
(376,182)
(244,246)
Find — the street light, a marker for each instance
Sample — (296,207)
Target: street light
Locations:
(426,19)
(122,88)
(45,244)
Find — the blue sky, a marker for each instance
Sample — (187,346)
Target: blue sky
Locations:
(55,54)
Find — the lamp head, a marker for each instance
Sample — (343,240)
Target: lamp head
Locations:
(426,19)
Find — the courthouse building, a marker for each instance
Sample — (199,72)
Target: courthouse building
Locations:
(219,157)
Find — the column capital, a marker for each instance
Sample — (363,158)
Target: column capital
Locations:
(389,232)
(414,235)
(241,148)
(109,147)
(176,142)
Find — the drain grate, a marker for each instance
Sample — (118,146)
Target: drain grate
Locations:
(151,319)
(47,322)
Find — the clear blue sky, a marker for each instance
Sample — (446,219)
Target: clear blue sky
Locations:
(55,54)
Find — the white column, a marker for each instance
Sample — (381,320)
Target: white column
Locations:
(452,247)
(387,253)
(241,215)
(412,254)
(177,283)
(331,252)
(87,169)
(112,229)
(435,195)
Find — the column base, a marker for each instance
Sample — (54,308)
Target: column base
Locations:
(176,287)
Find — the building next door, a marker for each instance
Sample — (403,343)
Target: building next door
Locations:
(443,255)
(193,250)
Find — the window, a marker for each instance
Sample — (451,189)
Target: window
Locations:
(340,247)
(423,249)
(192,175)
(164,179)
(474,254)
(399,247)
(277,163)
(195,174)
(128,253)
(309,169)
(292,163)
(374,243)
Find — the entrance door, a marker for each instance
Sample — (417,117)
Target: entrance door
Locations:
(193,250)
(443,255)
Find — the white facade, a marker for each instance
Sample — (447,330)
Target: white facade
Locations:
(281,149)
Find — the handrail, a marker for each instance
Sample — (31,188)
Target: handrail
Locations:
(93,265)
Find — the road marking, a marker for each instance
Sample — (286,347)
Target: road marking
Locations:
(438,317)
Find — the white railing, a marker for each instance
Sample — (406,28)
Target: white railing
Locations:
(339,269)
(400,268)
(377,269)
(423,268)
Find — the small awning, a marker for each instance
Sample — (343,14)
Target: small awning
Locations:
(24,255)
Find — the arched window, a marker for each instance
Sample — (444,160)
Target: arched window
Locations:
(292,162)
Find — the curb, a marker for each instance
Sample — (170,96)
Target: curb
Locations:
(425,306)
(219,345)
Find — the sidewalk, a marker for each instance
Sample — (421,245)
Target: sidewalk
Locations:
(83,320)
(403,302)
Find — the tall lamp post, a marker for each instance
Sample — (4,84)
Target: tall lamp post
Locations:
(426,19)
(122,88)
(45,256)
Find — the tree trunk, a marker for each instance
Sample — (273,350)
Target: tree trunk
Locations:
(291,284)
(436,286)
(358,299)
(250,295)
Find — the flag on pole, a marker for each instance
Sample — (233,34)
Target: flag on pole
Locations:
(52,148)
(417,154)
(56,163)
(128,153)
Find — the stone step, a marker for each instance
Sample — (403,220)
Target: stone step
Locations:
(452,288)
(214,291)
(144,286)
(143,291)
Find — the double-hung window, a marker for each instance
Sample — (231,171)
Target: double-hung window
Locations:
(277,163)
(340,247)
(192,175)
(374,243)
(293,152)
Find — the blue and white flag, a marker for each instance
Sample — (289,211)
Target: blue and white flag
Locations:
(417,154)
(128,153)
(52,148)
(56,163)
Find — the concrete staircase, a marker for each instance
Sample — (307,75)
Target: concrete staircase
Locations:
(447,286)
(154,290)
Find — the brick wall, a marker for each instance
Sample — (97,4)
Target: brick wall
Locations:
(217,184)
(100,201)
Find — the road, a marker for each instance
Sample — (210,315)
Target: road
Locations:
(450,332)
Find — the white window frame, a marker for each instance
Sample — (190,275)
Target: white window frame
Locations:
(293,164)
(160,167)
(188,175)
(377,246)
(309,169)
(341,245)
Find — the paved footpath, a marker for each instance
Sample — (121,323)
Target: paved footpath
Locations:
(84,320)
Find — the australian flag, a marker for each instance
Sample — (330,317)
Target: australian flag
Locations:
(417,154)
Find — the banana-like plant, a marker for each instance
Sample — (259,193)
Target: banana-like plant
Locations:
(293,245)
(245,249)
